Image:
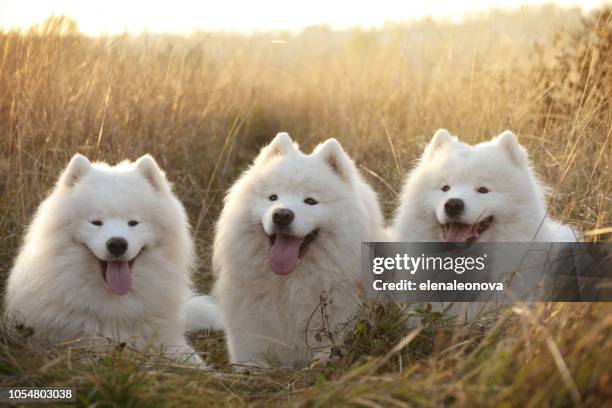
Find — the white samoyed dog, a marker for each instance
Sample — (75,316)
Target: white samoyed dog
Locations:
(108,253)
(287,253)
(487,192)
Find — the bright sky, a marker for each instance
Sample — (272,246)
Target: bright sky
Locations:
(182,16)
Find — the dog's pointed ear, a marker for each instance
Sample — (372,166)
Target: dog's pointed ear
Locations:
(509,143)
(441,139)
(332,153)
(148,168)
(281,145)
(79,166)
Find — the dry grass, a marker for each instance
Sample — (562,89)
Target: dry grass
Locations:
(205,104)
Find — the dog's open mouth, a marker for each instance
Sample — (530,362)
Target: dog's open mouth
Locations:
(118,275)
(459,232)
(286,250)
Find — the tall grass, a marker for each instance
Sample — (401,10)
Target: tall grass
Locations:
(204,105)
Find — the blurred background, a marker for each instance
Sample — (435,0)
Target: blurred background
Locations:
(184,16)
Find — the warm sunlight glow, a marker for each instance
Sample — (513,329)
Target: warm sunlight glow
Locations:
(182,16)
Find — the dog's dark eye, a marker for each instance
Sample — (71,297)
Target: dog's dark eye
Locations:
(483,190)
(445,188)
(97,223)
(311,201)
(133,223)
(273,197)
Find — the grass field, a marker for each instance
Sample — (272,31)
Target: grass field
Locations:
(203,105)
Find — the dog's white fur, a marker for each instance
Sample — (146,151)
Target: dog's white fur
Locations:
(272,319)
(516,198)
(203,313)
(57,286)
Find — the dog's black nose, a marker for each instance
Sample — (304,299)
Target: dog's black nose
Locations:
(283,217)
(454,207)
(117,246)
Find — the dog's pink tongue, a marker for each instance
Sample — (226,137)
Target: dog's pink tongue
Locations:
(118,277)
(283,255)
(458,232)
